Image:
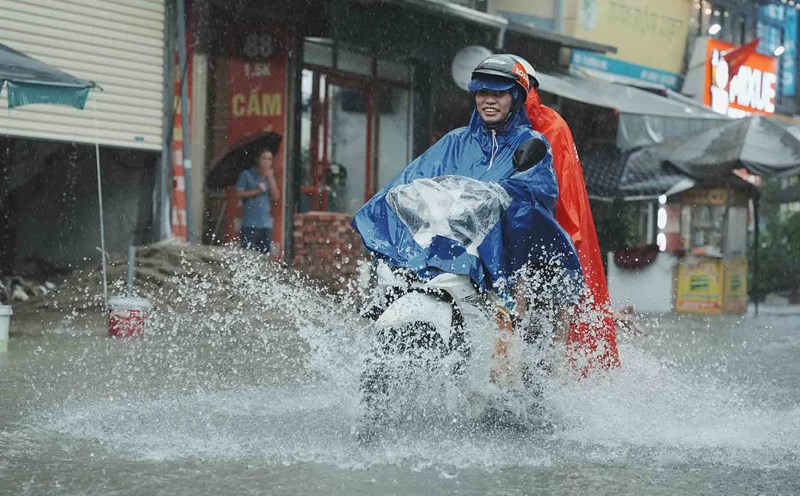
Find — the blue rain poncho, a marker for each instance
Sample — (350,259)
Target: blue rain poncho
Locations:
(526,232)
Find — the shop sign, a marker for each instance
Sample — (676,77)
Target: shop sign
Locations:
(735,293)
(610,65)
(777,26)
(699,288)
(738,80)
(635,27)
(713,196)
(790,56)
(257,83)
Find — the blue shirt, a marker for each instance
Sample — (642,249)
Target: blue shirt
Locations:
(256,210)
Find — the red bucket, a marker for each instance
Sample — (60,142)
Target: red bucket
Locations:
(127,316)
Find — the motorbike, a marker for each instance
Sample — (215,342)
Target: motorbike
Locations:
(425,323)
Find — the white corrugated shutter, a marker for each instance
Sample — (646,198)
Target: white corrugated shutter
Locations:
(118,44)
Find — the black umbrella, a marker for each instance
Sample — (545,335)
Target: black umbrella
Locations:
(756,143)
(225,170)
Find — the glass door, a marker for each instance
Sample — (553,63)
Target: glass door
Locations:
(336,141)
(349,129)
(356,127)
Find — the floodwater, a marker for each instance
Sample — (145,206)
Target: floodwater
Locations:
(265,402)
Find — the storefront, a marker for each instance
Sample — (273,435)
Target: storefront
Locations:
(699,262)
(356,126)
(48,200)
(356,134)
(354,89)
(255,91)
(709,225)
(344,115)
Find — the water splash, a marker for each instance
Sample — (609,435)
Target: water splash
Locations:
(269,366)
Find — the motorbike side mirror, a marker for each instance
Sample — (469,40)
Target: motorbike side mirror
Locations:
(529,153)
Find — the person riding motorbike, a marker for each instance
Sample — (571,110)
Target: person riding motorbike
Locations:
(483,150)
(592,334)
(450,288)
(527,234)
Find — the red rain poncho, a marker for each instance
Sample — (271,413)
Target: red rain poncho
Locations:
(592,337)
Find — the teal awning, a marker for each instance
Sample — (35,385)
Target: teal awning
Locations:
(30,81)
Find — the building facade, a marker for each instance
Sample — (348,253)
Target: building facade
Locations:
(354,89)
(48,199)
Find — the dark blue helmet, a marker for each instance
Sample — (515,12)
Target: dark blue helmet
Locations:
(500,73)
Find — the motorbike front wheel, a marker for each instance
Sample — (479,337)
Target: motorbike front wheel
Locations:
(397,354)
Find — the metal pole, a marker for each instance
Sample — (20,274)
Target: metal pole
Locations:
(187,156)
(100,202)
(291,190)
(131,268)
(162,214)
(501,38)
(755,252)
(558,16)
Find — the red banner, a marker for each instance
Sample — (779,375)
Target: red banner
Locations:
(257,79)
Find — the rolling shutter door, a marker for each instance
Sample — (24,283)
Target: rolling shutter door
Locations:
(118,44)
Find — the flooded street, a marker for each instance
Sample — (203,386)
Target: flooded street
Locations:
(267,403)
(376,244)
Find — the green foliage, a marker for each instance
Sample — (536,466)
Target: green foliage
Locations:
(779,257)
(615,223)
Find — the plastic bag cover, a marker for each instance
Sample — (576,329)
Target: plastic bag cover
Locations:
(454,207)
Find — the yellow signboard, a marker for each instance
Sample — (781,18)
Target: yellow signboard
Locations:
(705,196)
(714,197)
(735,293)
(699,288)
(651,33)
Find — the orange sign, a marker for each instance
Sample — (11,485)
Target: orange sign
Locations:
(257,81)
(738,80)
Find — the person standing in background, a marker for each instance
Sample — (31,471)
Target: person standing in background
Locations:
(256,188)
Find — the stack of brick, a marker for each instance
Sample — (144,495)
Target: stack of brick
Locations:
(326,247)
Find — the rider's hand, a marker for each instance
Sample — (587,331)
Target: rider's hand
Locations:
(262,187)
